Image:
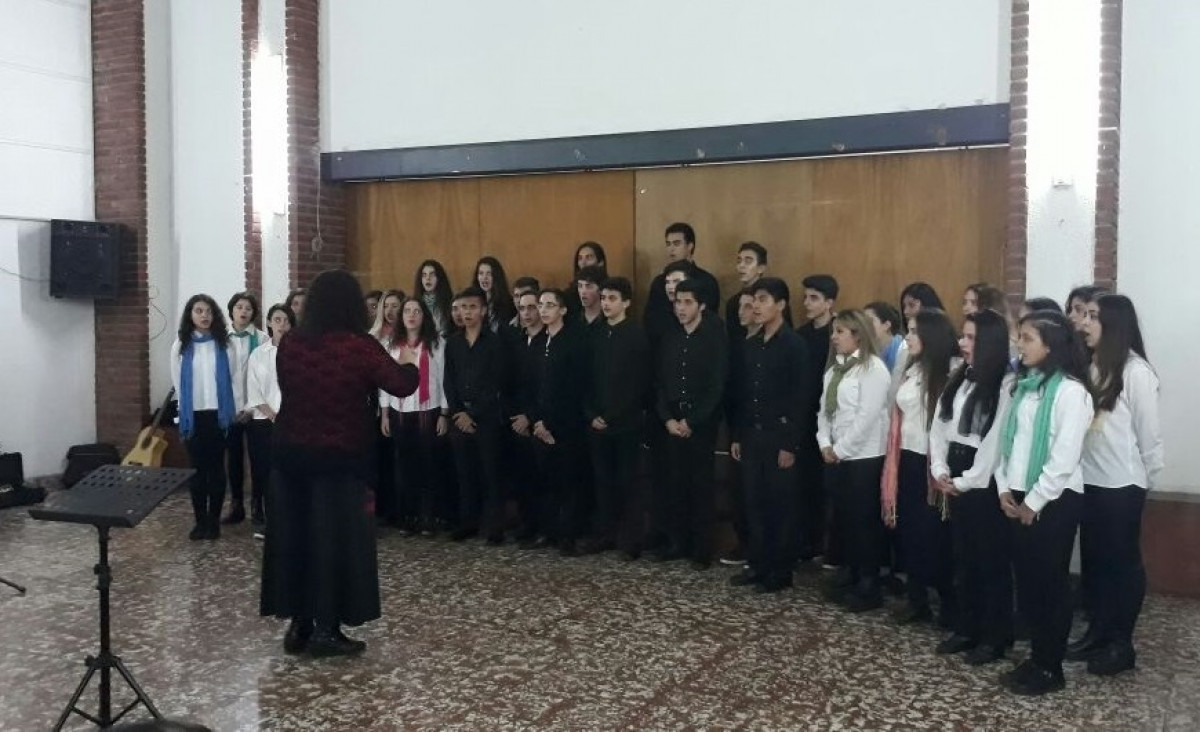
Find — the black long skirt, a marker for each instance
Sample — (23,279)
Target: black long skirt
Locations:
(319,557)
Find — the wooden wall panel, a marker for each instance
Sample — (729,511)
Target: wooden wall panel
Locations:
(397,225)
(533,224)
(876,223)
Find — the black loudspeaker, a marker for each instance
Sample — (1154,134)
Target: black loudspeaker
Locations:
(85,259)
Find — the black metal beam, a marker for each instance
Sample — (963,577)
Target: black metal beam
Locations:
(915,130)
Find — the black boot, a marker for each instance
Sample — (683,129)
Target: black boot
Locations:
(867,595)
(297,636)
(257,516)
(1112,659)
(199,532)
(838,585)
(326,642)
(914,611)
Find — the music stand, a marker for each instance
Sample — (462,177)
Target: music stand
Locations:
(111,496)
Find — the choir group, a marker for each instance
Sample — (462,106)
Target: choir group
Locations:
(875,441)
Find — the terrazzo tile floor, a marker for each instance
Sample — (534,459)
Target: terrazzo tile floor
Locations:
(479,637)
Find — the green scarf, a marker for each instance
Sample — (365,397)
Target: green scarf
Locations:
(1039,450)
(839,372)
(251,333)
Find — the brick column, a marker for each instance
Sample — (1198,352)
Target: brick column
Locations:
(253,229)
(1018,198)
(1109,147)
(119,100)
(316,210)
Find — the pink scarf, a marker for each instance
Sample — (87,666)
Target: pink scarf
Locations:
(890,482)
(423,367)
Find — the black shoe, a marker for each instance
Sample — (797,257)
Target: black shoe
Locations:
(1085,647)
(199,532)
(296,638)
(258,520)
(1033,680)
(214,531)
(772,585)
(495,539)
(236,515)
(983,654)
(1112,660)
(700,565)
(630,555)
(326,643)
(955,644)
(863,598)
(569,548)
(667,554)
(735,558)
(913,613)
(947,618)
(892,585)
(838,585)
(746,578)
(596,546)
(463,534)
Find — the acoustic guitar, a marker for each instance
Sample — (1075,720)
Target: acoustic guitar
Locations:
(151,443)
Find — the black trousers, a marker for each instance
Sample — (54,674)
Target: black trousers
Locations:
(1043,561)
(561,467)
(618,516)
(858,523)
(925,541)
(771,505)
(660,481)
(535,508)
(319,557)
(477,462)
(236,459)
(418,462)
(1111,545)
(691,498)
(983,575)
(206,449)
(258,440)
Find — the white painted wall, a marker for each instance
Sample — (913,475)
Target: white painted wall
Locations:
(399,73)
(271,128)
(47,372)
(206,152)
(1063,133)
(1158,256)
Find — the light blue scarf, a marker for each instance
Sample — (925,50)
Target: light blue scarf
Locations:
(187,418)
(892,351)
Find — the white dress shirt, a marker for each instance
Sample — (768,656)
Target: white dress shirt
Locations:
(437,391)
(1070,416)
(204,373)
(858,429)
(987,447)
(914,411)
(1125,446)
(239,356)
(262,383)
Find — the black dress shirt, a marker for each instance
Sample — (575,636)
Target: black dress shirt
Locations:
(620,376)
(692,368)
(817,341)
(475,378)
(776,389)
(563,379)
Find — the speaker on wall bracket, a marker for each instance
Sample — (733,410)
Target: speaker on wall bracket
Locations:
(85,259)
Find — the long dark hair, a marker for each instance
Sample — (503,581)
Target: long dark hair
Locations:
(500,300)
(923,293)
(601,257)
(333,303)
(427,334)
(990,364)
(1067,353)
(443,294)
(939,346)
(219,329)
(1120,335)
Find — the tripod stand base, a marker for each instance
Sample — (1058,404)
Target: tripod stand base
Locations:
(104,664)
(14,585)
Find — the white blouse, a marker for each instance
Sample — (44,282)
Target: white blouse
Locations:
(1125,446)
(898,371)
(858,428)
(914,411)
(204,373)
(1070,416)
(239,357)
(987,448)
(437,391)
(262,382)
